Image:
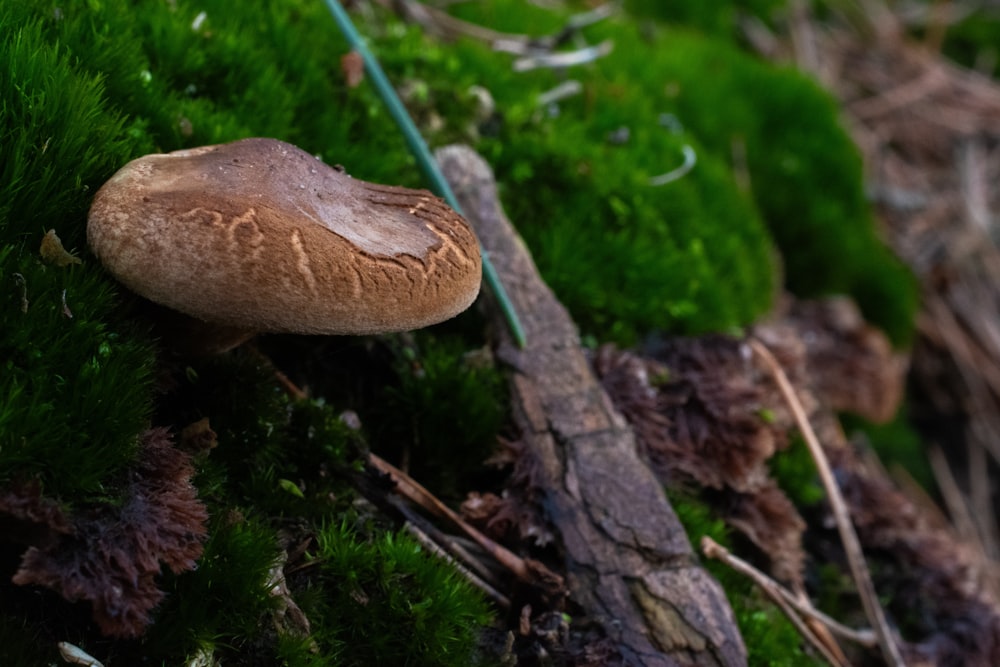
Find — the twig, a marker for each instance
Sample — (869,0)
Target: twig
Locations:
(470,576)
(439,22)
(852,546)
(787,600)
(937,25)
(564,58)
(411,489)
(446,542)
(562,91)
(690,159)
(954,500)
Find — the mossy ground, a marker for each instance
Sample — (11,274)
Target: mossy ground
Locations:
(86,87)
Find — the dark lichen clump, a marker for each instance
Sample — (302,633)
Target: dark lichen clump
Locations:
(88,86)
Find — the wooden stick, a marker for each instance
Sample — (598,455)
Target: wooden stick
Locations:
(470,576)
(410,488)
(713,549)
(848,537)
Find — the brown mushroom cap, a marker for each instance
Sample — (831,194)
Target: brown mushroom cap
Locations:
(258,234)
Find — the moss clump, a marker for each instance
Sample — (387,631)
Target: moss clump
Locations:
(805,173)
(897,444)
(225,604)
(58,327)
(795,472)
(578,187)
(393,603)
(626,257)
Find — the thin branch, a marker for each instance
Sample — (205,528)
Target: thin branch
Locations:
(470,576)
(412,489)
(690,159)
(564,58)
(848,537)
(713,549)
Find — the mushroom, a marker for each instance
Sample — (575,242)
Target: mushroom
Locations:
(260,236)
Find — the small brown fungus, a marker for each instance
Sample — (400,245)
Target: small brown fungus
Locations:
(261,236)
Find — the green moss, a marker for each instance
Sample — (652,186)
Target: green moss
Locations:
(805,173)
(393,604)
(226,603)
(795,471)
(583,205)
(58,139)
(972,41)
(626,257)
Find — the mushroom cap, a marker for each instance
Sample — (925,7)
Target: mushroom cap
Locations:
(259,234)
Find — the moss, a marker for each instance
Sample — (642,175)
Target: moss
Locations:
(805,173)
(795,471)
(225,604)
(58,141)
(394,604)
(574,177)
(972,41)
(718,18)
(442,415)
(626,258)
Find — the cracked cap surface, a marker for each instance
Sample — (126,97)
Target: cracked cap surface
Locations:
(261,235)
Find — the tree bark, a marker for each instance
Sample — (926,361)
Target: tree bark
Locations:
(629,564)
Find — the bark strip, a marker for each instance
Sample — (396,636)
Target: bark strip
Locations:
(628,561)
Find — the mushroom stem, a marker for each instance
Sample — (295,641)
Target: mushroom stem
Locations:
(422,154)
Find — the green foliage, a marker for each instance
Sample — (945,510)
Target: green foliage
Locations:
(393,604)
(770,638)
(972,41)
(258,448)
(583,205)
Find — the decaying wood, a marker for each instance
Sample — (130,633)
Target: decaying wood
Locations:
(628,561)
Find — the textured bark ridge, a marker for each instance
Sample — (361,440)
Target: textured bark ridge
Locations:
(628,561)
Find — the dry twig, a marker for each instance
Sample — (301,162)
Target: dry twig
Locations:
(848,537)
(789,602)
